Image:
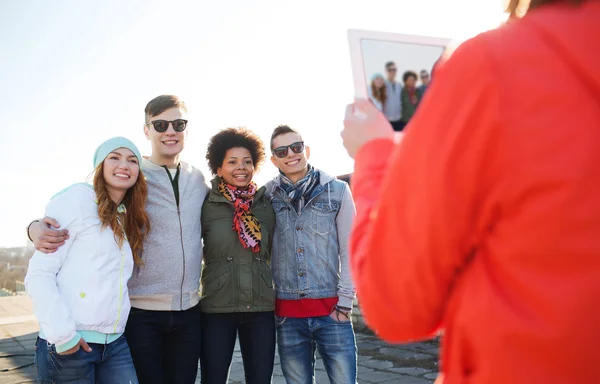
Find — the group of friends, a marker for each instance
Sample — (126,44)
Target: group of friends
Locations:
(397,101)
(115,276)
(478,222)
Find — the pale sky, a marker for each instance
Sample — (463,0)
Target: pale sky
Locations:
(74,73)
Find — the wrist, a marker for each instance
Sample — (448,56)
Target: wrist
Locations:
(343,309)
(28,227)
(69,344)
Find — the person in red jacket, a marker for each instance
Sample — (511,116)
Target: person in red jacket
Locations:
(483,221)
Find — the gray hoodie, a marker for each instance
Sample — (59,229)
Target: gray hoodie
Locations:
(169,279)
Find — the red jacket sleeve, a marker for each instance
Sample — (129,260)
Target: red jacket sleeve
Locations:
(422,204)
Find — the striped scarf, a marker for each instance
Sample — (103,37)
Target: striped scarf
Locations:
(303,190)
(245,223)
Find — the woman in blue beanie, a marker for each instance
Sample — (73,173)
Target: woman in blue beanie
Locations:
(377,91)
(79,293)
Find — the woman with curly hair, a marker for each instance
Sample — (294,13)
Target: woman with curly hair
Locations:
(237,289)
(79,293)
(410,96)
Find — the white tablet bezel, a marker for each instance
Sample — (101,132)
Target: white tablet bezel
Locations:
(355,36)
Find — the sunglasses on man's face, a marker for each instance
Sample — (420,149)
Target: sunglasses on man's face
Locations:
(282,151)
(162,125)
(392,69)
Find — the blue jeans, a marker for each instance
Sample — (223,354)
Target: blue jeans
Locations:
(297,340)
(165,345)
(105,364)
(256,331)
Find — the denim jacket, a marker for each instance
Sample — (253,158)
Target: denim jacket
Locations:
(310,250)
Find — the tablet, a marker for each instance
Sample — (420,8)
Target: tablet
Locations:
(371,50)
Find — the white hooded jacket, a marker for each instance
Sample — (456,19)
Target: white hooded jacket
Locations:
(83,285)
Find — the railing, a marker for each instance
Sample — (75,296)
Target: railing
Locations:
(7,292)
(19,286)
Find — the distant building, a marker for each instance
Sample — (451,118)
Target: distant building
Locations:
(13,268)
(10,267)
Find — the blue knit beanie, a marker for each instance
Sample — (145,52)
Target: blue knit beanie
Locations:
(110,145)
(376,75)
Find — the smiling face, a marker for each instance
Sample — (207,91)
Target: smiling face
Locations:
(121,171)
(166,146)
(293,165)
(237,168)
(378,82)
(391,71)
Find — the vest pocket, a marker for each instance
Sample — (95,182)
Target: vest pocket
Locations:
(324,214)
(217,286)
(268,282)
(266,293)
(218,283)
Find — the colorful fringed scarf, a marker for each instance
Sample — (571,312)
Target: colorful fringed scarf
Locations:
(244,222)
(412,95)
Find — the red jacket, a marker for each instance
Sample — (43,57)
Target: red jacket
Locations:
(485,220)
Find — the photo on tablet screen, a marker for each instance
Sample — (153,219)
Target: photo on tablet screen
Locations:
(393,70)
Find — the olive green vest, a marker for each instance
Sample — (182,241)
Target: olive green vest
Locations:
(235,279)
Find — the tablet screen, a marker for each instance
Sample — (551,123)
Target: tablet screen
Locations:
(393,70)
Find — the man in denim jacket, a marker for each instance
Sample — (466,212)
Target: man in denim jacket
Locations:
(311,272)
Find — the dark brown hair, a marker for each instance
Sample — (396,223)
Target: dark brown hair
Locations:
(161,103)
(232,138)
(281,130)
(518,8)
(136,224)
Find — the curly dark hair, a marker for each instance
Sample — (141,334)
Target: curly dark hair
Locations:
(229,138)
(408,74)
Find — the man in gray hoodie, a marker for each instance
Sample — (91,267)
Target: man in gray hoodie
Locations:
(163,329)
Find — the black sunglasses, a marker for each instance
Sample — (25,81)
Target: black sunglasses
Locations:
(282,151)
(161,126)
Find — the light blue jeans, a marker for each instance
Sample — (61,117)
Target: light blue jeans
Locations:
(106,363)
(299,338)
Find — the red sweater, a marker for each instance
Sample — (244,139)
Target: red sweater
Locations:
(485,220)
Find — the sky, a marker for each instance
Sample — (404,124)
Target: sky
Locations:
(75,73)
